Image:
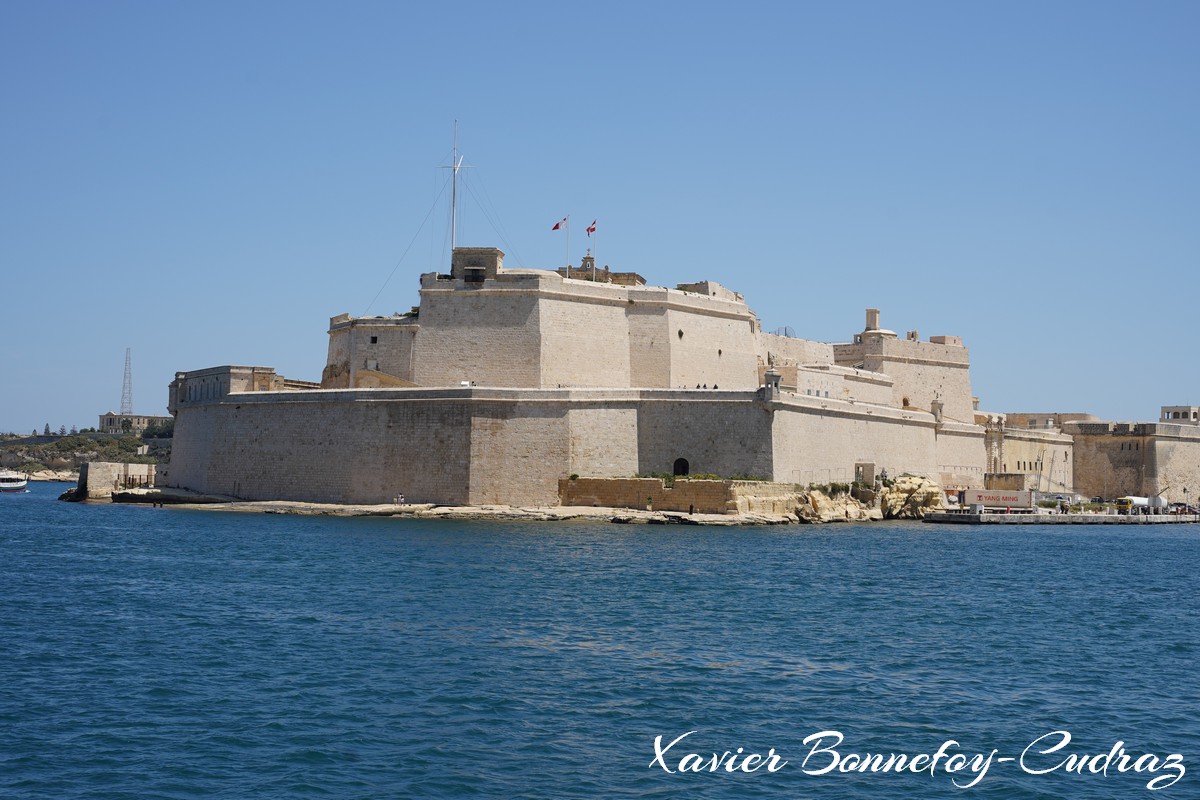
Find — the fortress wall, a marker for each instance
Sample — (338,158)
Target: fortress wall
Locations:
(336,374)
(352,352)
(815,382)
(713,350)
(1176,451)
(724,434)
(491,337)
(818,445)
(1113,462)
(923,372)
(1139,459)
(840,383)
(518,453)
(649,346)
(454,446)
(703,497)
(1022,449)
(961,455)
(99,479)
(191,448)
(869,387)
(303,446)
(781,350)
(604,438)
(392,354)
(584,342)
(847,354)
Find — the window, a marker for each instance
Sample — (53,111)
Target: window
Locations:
(374,340)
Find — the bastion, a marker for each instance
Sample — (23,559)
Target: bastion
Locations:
(501,383)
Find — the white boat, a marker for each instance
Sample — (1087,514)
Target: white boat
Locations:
(12,481)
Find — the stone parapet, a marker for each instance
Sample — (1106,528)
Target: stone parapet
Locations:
(99,479)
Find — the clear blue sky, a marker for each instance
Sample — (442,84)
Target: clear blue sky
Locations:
(208,183)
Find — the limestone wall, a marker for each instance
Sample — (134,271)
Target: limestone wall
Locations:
(368,344)
(585,344)
(518,452)
(206,385)
(482,335)
(778,351)
(711,350)
(324,446)
(99,479)
(841,383)
(512,446)
(1111,459)
(818,441)
(457,445)
(1046,455)
(717,433)
(1142,459)
(528,328)
(923,372)
(961,455)
(1177,461)
(603,437)
(700,496)
(649,347)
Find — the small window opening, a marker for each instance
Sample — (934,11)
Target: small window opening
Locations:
(681,466)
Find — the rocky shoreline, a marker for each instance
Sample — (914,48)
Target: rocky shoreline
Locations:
(904,501)
(55,476)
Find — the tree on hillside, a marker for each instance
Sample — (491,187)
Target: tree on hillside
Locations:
(46,431)
(62,430)
(74,430)
(127,425)
(35,431)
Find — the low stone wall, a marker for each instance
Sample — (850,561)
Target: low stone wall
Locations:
(757,497)
(697,496)
(99,479)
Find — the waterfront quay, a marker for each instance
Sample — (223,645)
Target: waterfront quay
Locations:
(1000,518)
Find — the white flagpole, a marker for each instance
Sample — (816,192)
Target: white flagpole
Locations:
(568,245)
(595,252)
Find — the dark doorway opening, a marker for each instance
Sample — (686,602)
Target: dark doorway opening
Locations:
(681,466)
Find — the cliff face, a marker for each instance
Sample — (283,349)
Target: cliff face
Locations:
(911,497)
(816,506)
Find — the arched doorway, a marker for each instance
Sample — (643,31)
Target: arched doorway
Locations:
(681,466)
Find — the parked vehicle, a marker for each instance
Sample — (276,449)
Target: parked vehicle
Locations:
(1141,505)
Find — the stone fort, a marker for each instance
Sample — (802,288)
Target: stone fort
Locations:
(503,381)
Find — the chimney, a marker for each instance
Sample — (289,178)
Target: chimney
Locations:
(872,319)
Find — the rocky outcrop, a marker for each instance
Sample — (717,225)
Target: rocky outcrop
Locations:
(911,497)
(60,476)
(816,506)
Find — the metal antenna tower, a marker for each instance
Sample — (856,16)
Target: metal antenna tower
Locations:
(127,387)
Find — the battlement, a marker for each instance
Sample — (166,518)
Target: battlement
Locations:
(215,383)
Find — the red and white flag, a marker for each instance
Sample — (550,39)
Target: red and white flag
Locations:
(562,223)
(591,229)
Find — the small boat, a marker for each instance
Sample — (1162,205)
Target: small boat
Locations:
(12,481)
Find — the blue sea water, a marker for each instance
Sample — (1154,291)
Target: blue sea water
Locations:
(163,653)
